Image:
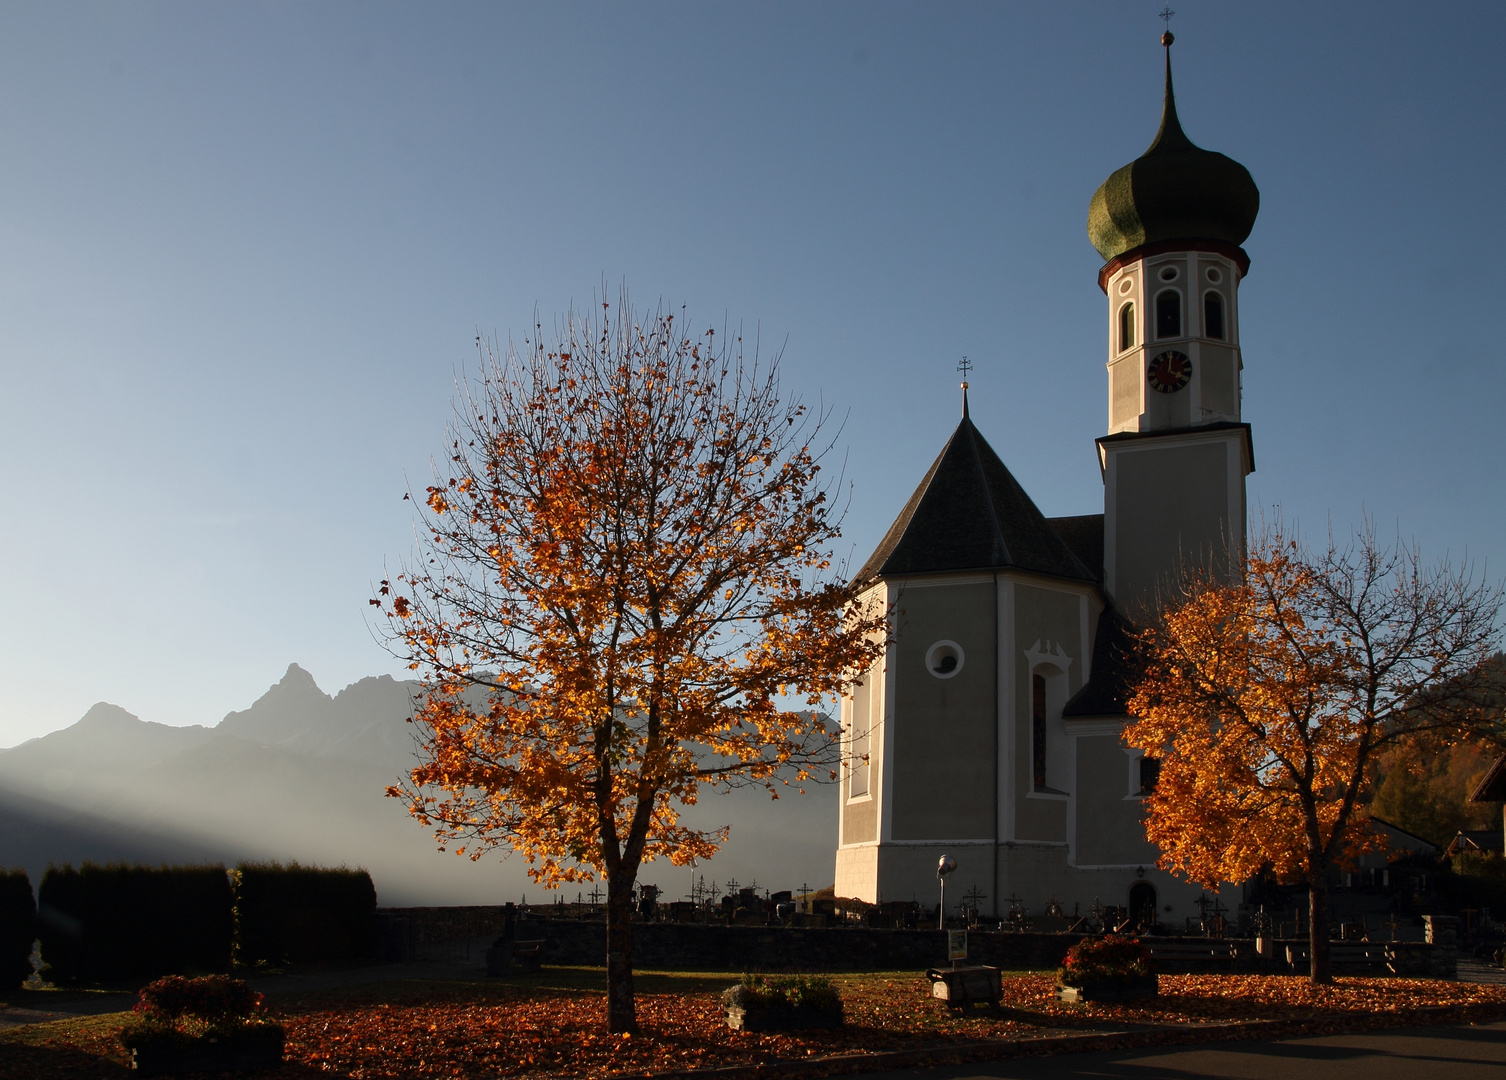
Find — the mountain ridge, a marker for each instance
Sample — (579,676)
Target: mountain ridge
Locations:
(301,774)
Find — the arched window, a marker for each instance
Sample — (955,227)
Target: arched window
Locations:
(1127,327)
(1169,314)
(1213,315)
(1038,730)
(1150,774)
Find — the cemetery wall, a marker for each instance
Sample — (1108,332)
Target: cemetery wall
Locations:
(669,946)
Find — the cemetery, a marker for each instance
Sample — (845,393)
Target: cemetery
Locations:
(283,970)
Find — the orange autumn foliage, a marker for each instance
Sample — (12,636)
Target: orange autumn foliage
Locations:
(1268,698)
(625,573)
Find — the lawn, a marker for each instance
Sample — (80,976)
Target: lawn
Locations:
(548,1025)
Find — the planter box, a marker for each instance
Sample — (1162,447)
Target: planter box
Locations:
(794,1018)
(1131,989)
(258,1047)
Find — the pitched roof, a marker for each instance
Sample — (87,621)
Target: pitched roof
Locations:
(1467,840)
(1084,535)
(1107,691)
(969,513)
(1492,786)
(1418,845)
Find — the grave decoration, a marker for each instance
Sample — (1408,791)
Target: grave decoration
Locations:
(782,1003)
(209,1024)
(1109,968)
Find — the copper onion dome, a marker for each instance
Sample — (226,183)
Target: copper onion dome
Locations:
(1173,191)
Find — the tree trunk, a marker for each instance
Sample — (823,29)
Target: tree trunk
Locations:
(622,1013)
(1319,956)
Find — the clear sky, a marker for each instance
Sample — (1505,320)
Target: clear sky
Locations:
(244,250)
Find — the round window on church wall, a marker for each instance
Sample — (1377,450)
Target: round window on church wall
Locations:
(1125,286)
(1168,273)
(944,659)
(1214,276)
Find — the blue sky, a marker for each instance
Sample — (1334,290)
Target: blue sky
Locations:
(245,249)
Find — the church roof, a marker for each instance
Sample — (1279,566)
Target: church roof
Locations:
(1175,191)
(969,513)
(1084,535)
(1107,691)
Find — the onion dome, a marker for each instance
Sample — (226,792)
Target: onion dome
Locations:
(1173,191)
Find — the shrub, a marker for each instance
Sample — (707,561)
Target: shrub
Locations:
(178,1010)
(303,914)
(117,922)
(1114,958)
(212,1001)
(18,928)
(757,992)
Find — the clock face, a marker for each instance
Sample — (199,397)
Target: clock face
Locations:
(1169,372)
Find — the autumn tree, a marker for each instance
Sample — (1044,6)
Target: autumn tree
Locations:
(1268,698)
(624,576)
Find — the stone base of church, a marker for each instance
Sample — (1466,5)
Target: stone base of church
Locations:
(1033,874)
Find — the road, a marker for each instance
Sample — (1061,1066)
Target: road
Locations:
(1457,1053)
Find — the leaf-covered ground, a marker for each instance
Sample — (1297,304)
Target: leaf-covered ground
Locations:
(550,1025)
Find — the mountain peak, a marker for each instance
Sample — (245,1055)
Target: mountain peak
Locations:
(104,715)
(296,676)
(289,707)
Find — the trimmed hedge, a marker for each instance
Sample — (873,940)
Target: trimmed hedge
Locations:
(117,922)
(303,914)
(18,928)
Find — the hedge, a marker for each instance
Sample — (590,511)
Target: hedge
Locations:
(303,914)
(18,928)
(117,922)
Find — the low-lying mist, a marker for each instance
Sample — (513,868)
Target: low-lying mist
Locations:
(300,776)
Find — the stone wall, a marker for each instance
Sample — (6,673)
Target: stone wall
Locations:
(681,947)
(662,946)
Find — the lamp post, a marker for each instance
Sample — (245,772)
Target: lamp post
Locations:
(943,867)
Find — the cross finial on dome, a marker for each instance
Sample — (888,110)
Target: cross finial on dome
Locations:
(965,366)
(1166,13)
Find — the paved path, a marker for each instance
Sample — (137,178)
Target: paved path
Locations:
(1445,1053)
(1478,971)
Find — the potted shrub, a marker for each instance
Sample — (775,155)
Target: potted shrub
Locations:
(1106,969)
(782,1003)
(210,1024)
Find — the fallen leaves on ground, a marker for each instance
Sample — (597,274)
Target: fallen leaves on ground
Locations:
(491,1030)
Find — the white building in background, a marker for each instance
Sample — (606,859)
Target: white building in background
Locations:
(991,730)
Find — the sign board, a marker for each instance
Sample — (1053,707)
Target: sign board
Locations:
(956,944)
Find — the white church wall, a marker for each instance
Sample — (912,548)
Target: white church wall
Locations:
(943,722)
(1163,495)
(1106,807)
(1047,637)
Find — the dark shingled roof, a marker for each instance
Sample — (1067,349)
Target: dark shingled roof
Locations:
(1107,690)
(969,513)
(1084,535)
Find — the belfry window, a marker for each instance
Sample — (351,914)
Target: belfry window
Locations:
(1169,314)
(1127,327)
(1213,315)
(1038,730)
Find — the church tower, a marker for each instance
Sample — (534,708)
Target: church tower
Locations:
(990,734)
(1174,460)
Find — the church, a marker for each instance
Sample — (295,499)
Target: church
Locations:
(991,730)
